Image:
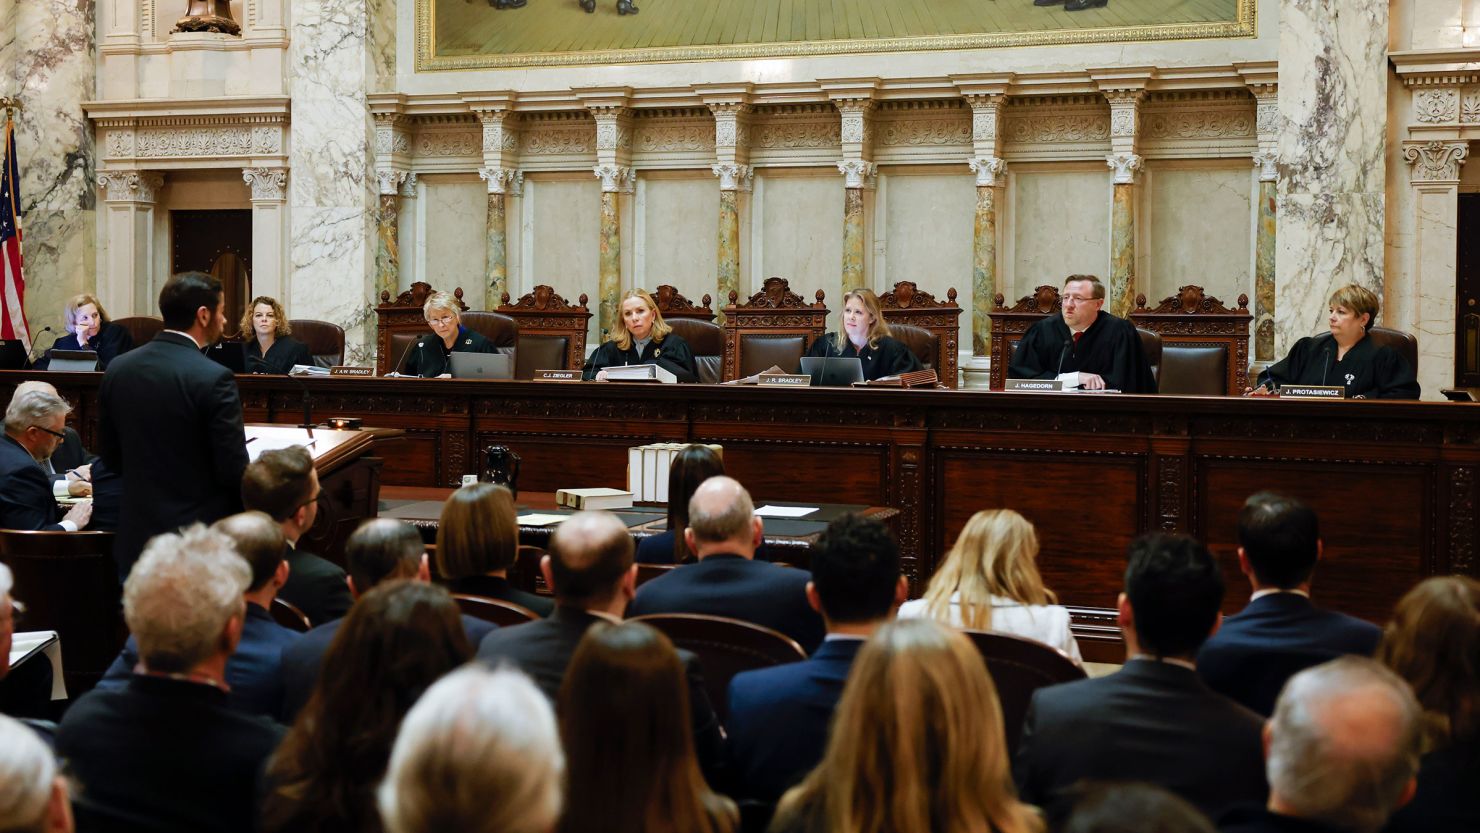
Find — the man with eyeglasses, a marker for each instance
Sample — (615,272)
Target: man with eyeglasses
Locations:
(33,429)
(1103,350)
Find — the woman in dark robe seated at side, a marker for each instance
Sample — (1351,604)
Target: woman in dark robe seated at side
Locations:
(865,336)
(270,345)
(88,328)
(477,542)
(691,466)
(640,336)
(431,355)
(1346,355)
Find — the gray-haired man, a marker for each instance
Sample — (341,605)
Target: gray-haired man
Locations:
(33,429)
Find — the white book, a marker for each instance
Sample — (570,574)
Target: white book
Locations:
(639,373)
(634,470)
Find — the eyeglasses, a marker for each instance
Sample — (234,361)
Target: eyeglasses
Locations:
(58,434)
(444,320)
(1075,300)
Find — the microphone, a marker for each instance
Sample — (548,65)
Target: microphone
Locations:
(1325,364)
(1068,342)
(31,357)
(396,368)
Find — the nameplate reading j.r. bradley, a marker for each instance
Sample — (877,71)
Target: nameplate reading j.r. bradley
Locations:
(347,370)
(1033,384)
(1313,391)
(784,380)
(557,375)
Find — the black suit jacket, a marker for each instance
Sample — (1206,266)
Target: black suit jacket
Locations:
(69,455)
(499,588)
(170,425)
(740,588)
(26,499)
(1150,721)
(315,586)
(1262,646)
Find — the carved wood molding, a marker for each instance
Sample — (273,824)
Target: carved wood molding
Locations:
(543,299)
(672,304)
(1192,300)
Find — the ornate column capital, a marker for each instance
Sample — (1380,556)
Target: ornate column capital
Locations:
(389,182)
(503,180)
(988,170)
(616,179)
(1435,162)
(613,134)
(408,188)
(1268,163)
(733,177)
(986,112)
(857,132)
(130,186)
(1125,118)
(731,131)
(392,139)
(500,135)
(857,173)
(1125,165)
(267,183)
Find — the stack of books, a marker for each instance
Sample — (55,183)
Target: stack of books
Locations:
(647,469)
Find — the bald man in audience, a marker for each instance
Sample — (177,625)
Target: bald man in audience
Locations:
(1342,752)
(724,533)
(34,420)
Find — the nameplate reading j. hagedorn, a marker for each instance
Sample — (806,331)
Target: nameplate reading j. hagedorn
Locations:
(557,375)
(784,380)
(1313,391)
(347,370)
(1033,384)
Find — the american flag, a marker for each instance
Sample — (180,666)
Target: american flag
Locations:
(13,297)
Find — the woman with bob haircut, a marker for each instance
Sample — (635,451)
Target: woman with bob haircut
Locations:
(398,639)
(477,542)
(1433,642)
(627,757)
(89,328)
(691,466)
(1346,355)
(865,336)
(270,345)
(431,355)
(641,336)
(916,745)
(990,582)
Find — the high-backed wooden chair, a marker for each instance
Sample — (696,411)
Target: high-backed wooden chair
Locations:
(1404,343)
(498,328)
(928,327)
(142,328)
(501,613)
(552,331)
(1020,667)
(1010,323)
(725,647)
(774,327)
(672,304)
(399,321)
(323,339)
(695,324)
(1205,345)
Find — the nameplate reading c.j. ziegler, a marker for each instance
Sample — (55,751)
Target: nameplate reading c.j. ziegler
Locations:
(1313,391)
(1033,384)
(347,370)
(785,380)
(557,375)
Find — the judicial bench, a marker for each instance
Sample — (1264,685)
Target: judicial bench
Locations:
(1395,483)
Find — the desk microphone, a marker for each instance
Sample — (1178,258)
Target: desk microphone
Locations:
(396,368)
(1068,342)
(1325,364)
(31,358)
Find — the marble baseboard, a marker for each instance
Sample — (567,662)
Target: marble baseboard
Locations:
(1325,241)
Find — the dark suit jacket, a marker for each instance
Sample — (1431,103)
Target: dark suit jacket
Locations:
(302,660)
(316,586)
(656,549)
(1256,819)
(170,424)
(1445,801)
(165,755)
(1273,638)
(69,455)
(1150,721)
(543,649)
(740,588)
(26,499)
(499,588)
(778,720)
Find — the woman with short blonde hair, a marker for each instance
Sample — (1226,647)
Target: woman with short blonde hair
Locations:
(270,345)
(1346,355)
(641,336)
(477,543)
(865,335)
(89,328)
(430,355)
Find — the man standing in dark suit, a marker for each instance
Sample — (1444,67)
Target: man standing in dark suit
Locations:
(284,484)
(1154,720)
(34,420)
(724,534)
(1280,632)
(779,716)
(170,422)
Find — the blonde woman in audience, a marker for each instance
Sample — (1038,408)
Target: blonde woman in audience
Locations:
(33,794)
(478,753)
(990,582)
(916,745)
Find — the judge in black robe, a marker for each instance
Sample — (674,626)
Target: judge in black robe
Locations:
(1346,355)
(640,336)
(281,357)
(270,346)
(865,336)
(88,328)
(1108,347)
(431,355)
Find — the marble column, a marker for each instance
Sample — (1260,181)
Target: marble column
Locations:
(988,172)
(1434,172)
(270,231)
(856,174)
(1264,260)
(1333,106)
(388,232)
(495,232)
(615,180)
(1122,289)
(129,268)
(732,179)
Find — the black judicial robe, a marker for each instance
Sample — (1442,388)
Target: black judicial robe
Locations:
(281,356)
(1110,349)
(889,358)
(111,341)
(673,354)
(1367,371)
(430,358)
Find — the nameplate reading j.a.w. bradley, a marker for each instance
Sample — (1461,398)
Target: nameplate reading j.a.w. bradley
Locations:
(347,370)
(557,375)
(1033,384)
(1313,391)
(784,380)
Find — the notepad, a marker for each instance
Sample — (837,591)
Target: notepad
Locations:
(537,519)
(769,511)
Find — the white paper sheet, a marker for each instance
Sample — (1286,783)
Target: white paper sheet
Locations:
(769,511)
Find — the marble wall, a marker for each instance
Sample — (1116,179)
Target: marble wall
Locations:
(923,234)
(1059,224)
(453,230)
(675,221)
(561,228)
(1199,230)
(798,223)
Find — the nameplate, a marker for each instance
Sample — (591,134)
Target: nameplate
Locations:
(1312,392)
(1033,384)
(785,380)
(557,375)
(347,370)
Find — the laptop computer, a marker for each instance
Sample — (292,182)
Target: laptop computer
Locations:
(13,355)
(833,371)
(84,361)
(230,354)
(482,365)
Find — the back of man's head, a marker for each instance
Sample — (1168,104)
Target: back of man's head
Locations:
(1175,590)
(855,570)
(180,595)
(183,295)
(1344,745)
(279,482)
(1125,807)
(381,549)
(589,555)
(1281,538)
(259,540)
(28,779)
(721,512)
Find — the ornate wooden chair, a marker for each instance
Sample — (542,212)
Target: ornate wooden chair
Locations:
(323,339)
(1010,323)
(501,613)
(1205,345)
(774,327)
(929,327)
(142,328)
(672,304)
(695,324)
(552,331)
(1020,667)
(1404,343)
(399,321)
(725,647)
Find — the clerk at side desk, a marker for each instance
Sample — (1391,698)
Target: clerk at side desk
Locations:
(1103,349)
(640,336)
(1346,355)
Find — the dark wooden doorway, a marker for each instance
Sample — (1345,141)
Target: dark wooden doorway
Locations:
(219,243)
(1467,295)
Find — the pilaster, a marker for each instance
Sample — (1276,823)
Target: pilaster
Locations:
(854,100)
(609,108)
(127,281)
(731,110)
(1434,169)
(1125,90)
(987,96)
(500,156)
(1266,160)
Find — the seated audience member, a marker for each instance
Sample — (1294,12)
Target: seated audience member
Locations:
(270,345)
(641,336)
(1279,632)
(990,582)
(1154,719)
(381,550)
(25,690)
(34,420)
(1104,350)
(1342,751)
(477,542)
(778,718)
(69,466)
(397,640)
(1127,807)
(916,745)
(88,328)
(33,792)
(865,335)
(724,533)
(691,467)
(478,753)
(590,568)
(168,751)
(254,672)
(1346,355)
(629,762)
(284,484)
(1433,642)
(431,354)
